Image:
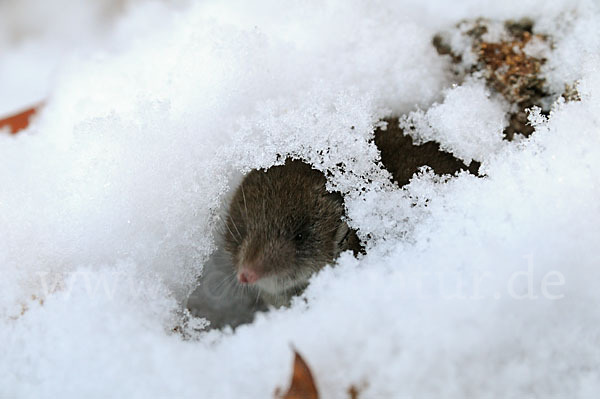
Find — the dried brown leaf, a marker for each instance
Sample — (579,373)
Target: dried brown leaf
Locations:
(302,385)
(353,392)
(18,121)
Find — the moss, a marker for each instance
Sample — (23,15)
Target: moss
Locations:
(506,67)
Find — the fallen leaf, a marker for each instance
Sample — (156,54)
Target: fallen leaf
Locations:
(302,385)
(18,121)
(353,392)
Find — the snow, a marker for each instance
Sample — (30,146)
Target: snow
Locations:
(471,286)
(455,129)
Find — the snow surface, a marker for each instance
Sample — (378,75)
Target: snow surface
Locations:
(472,287)
(448,122)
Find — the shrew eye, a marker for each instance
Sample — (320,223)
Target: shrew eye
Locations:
(301,232)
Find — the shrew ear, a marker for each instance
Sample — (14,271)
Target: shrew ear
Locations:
(333,195)
(341,237)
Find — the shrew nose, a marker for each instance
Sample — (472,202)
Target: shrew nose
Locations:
(247,276)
